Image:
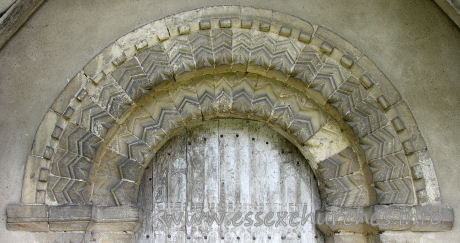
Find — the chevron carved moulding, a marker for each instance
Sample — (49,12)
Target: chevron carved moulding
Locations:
(304,81)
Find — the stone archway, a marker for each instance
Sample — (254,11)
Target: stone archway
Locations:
(247,96)
(303,80)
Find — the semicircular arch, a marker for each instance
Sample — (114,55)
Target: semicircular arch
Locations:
(94,107)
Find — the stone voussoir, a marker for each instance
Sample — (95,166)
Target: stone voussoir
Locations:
(101,80)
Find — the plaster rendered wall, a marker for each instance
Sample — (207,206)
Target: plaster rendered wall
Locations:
(412,41)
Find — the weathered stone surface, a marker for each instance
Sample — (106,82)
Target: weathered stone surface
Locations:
(267,53)
(42,218)
(326,48)
(79,141)
(389,167)
(31,176)
(341,164)
(417,218)
(114,219)
(245,96)
(94,118)
(155,64)
(43,135)
(103,62)
(339,43)
(381,218)
(71,89)
(396,191)
(28,218)
(360,111)
(352,238)
(384,86)
(381,142)
(69,218)
(132,78)
(406,126)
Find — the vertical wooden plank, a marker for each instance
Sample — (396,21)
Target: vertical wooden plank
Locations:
(243,155)
(227,158)
(227,177)
(202,183)
(159,195)
(212,166)
(145,233)
(171,197)
(177,176)
(258,158)
(239,163)
(292,166)
(239,129)
(195,168)
(275,151)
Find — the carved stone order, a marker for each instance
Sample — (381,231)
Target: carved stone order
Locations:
(301,79)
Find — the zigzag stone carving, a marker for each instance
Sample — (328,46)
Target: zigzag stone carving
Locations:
(343,180)
(298,78)
(246,96)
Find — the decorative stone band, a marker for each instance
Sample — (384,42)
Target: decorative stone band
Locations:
(42,218)
(122,158)
(89,119)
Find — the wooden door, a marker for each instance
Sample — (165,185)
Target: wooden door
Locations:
(215,170)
